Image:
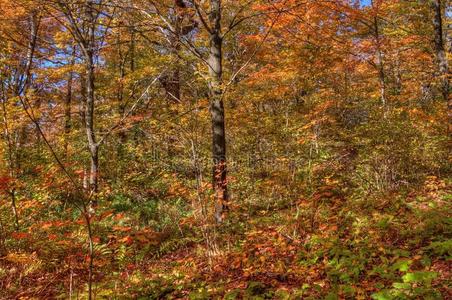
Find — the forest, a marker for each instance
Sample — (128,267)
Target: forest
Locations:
(225,149)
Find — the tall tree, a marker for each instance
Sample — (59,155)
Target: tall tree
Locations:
(215,83)
(440,52)
(378,51)
(68,103)
(82,23)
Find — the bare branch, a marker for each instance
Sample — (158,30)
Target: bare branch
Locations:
(129,112)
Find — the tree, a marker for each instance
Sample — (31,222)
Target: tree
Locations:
(215,83)
(16,80)
(440,53)
(379,52)
(82,21)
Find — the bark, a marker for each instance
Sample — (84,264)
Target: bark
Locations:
(398,75)
(89,122)
(67,109)
(132,49)
(173,84)
(380,63)
(34,25)
(171,81)
(120,94)
(440,52)
(217,111)
(30,51)
(132,56)
(89,105)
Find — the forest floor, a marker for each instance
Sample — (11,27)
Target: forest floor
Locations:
(397,248)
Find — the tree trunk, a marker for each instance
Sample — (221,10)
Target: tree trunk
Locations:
(89,105)
(440,52)
(132,49)
(380,63)
(10,151)
(217,111)
(67,109)
(91,135)
(398,75)
(14,209)
(171,81)
(173,84)
(120,93)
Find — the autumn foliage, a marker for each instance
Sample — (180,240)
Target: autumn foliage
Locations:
(226,149)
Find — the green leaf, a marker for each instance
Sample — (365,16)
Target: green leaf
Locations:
(283,294)
(401,253)
(441,248)
(419,277)
(331,296)
(402,265)
(232,295)
(383,295)
(401,285)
